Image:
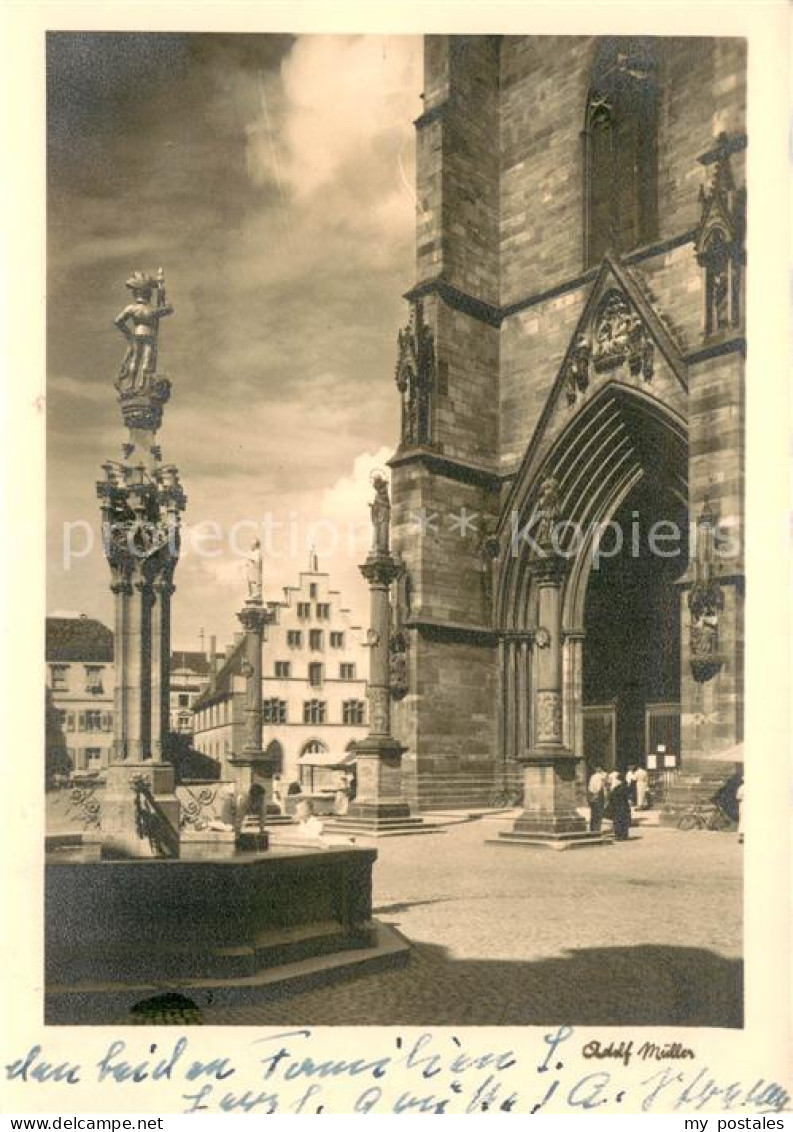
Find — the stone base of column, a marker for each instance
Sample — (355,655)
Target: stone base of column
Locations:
(139,822)
(550,819)
(379,810)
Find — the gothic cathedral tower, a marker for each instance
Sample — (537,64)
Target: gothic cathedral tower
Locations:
(571,378)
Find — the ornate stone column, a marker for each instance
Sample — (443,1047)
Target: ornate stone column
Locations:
(549,815)
(141,503)
(251,765)
(379,806)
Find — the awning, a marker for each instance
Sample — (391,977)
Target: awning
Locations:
(326,758)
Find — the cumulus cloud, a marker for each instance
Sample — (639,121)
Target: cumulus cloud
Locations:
(339,101)
(278,193)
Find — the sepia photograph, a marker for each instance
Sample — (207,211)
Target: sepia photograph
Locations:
(395,596)
(396,602)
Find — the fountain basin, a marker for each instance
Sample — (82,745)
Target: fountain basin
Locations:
(123,926)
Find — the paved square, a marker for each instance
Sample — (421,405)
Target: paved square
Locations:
(643,932)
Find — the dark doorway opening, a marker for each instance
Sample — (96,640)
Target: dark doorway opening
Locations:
(632,622)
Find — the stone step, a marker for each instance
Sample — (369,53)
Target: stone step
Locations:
(557,842)
(95,1002)
(382,827)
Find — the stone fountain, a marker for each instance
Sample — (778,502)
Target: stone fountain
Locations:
(137,912)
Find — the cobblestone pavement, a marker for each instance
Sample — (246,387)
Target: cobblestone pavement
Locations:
(646,931)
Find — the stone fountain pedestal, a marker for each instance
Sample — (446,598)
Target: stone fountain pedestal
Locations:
(239,929)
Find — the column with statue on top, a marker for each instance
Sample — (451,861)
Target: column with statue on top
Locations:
(141,501)
(379,807)
(252,768)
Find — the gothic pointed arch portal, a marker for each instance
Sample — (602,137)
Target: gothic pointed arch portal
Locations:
(595,613)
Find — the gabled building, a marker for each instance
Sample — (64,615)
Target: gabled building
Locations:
(314,687)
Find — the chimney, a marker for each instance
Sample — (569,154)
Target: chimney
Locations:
(213,655)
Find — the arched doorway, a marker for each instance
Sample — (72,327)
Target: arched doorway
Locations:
(631,643)
(609,622)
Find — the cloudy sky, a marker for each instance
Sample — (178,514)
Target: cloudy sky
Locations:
(272,177)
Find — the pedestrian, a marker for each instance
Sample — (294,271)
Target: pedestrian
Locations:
(739,799)
(630,782)
(596,794)
(642,780)
(308,825)
(619,808)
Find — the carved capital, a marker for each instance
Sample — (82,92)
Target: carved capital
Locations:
(379,570)
(254,618)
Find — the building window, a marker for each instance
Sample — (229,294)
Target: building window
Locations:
(60,677)
(185,723)
(315,639)
(314,711)
(621,158)
(93,679)
(294,638)
(304,610)
(337,640)
(274,711)
(107,721)
(89,720)
(323,611)
(71,722)
(352,712)
(183,699)
(315,675)
(312,590)
(93,758)
(283,669)
(346,671)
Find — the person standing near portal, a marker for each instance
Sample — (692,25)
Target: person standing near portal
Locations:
(630,782)
(641,779)
(739,796)
(597,799)
(619,808)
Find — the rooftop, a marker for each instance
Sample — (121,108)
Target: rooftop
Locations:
(78,639)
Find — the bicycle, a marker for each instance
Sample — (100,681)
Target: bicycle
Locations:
(505,799)
(704,815)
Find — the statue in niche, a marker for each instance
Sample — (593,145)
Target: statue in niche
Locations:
(578,368)
(415,377)
(489,547)
(398,666)
(546,511)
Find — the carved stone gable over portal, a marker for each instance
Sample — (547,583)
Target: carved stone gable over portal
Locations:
(616,336)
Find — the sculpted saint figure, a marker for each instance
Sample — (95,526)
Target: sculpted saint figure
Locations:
(139,323)
(254,571)
(547,510)
(380,509)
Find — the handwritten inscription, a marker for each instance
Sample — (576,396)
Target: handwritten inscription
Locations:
(431,1073)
